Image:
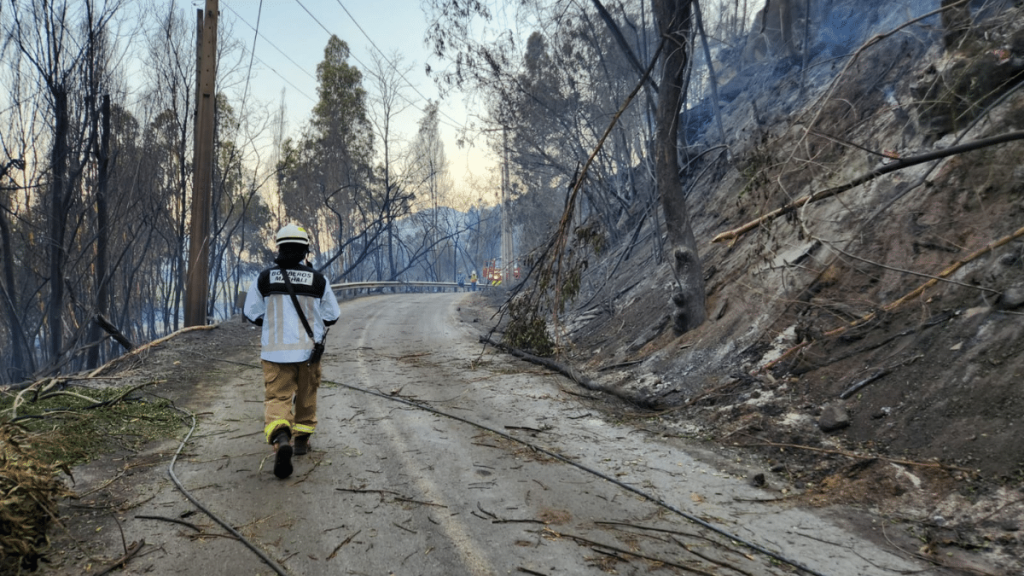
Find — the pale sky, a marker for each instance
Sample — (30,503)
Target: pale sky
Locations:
(290,44)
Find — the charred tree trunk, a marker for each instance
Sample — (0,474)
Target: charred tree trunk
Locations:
(58,210)
(956,21)
(102,232)
(673,17)
(20,367)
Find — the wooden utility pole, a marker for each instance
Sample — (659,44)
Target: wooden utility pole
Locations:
(202,177)
(506,216)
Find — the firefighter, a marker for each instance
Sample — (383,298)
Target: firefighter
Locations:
(473,280)
(294,316)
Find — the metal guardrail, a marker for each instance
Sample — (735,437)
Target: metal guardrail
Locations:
(401,286)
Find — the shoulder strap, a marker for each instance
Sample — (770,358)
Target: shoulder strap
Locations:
(295,301)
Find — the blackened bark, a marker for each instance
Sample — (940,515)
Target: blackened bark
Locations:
(102,233)
(673,17)
(956,21)
(21,366)
(58,210)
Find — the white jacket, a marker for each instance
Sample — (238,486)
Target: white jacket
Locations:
(268,304)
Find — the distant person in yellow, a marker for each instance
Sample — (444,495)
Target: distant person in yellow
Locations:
(473,280)
(294,304)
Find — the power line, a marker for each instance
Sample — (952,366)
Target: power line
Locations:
(269,67)
(252,55)
(456,126)
(383,55)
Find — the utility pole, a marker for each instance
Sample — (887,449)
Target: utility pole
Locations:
(506,216)
(198,277)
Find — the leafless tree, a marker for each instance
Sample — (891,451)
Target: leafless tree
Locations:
(59,47)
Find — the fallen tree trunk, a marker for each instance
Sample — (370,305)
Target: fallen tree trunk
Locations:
(116,334)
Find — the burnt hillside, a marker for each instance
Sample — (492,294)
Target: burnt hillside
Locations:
(885,317)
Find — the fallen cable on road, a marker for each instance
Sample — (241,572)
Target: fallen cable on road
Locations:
(170,471)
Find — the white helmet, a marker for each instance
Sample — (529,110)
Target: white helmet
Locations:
(292,234)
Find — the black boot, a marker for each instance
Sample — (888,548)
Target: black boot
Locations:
(301,444)
(283,458)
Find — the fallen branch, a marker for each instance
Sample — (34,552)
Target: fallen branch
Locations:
(860,385)
(900,164)
(567,371)
(907,297)
(109,328)
(35,388)
(634,554)
(859,456)
(147,346)
(948,271)
(708,558)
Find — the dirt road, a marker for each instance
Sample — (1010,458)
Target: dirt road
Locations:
(433,459)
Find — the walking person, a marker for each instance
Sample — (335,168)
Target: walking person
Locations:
(294,304)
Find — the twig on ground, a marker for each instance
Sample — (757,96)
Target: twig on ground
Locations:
(166,519)
(707,558)
(858,456)
(104,485)
(343,542)
(123,560)
(633,554)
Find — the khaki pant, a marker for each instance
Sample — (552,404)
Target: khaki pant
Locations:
(282,382)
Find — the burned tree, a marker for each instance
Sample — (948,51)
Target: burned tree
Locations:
(673,17)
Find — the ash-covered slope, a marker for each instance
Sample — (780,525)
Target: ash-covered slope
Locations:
(869,344)
(910,284)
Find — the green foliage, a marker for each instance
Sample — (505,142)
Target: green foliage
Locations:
(322,172)
(526,330)
(79,433)
(62,429)
(591,236)
(555,282)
